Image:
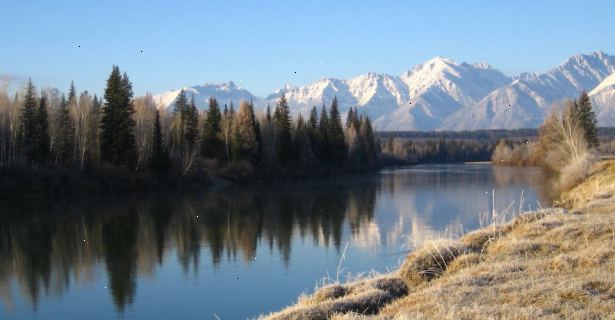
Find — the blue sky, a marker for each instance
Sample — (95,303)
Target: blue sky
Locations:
(263,44)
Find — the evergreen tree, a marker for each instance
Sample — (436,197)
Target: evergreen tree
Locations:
(324,153)
(587,117)
(281,117)
(369,150)
(159,160)
(211,144)
(64,137)
(179,121)
(117,141)
(337,142)
(350,118)
(257,156)
(268,114)
(27,125)
(301,142)
(42,139)
(191,128)
(312,129)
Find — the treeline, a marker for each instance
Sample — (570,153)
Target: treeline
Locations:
(567,144)
(81,131)
(442,150)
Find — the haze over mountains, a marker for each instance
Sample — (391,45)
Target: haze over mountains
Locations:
(442,94)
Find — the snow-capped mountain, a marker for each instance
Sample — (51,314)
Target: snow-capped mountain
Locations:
(442,94)
(225,93)
(527,100)
(603,99)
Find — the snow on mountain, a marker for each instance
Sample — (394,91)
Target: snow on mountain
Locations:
(418,99)
(441,94)
(225,93)
(527,99)
(603,100)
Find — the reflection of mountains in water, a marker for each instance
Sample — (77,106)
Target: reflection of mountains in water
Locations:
(43,250)
(47,248)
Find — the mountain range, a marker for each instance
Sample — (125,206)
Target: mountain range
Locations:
(441,94)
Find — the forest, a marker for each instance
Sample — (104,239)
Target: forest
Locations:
(52,138)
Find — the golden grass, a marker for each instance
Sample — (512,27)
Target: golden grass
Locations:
(552,264)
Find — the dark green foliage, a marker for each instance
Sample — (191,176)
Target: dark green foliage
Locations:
(588,120)
(159,160)
(281,117)
(27,123)
(301,142)
(350,118)
(42,139)
(211,144)
(337,142)
(191,125)
(323,137)
(312,129)
(65,134)
(117,141)
(179,120)
(258,154)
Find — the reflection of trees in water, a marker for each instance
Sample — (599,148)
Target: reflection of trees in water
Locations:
(505,176)
(44,250)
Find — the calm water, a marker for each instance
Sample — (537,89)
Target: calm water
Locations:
(233,253)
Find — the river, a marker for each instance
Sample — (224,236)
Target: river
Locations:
(237,252)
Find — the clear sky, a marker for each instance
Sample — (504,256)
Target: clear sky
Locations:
(261,45)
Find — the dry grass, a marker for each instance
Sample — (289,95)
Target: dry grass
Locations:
(552,264)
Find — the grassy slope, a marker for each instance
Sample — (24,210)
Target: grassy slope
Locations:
(552,264)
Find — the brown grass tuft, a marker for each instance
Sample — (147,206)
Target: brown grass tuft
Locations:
(430,261)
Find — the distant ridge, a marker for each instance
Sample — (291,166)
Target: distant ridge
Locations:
(442,94)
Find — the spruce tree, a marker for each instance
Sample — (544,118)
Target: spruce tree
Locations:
(27,125)
(65,134)
(191,127)
(257,156)
(281,117)
(211,144)
(324,153)
(312,129)
(336,134)
(117,141)
(179,121)
(42,139)
(159,160)
(350,118)
(588,120)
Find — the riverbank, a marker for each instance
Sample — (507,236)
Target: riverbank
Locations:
(554,263)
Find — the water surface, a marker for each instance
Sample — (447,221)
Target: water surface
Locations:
(237,252)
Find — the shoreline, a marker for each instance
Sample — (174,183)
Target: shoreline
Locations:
(551,263)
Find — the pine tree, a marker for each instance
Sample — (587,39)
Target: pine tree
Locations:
(64,137)
(42,139)
(281,117)
(257,156)
(301,142)
(268,114)
(587,117)
(191,122)
(324,153)
(117,141)
(159,160)
(211,144)
(350,118)
(336,135)
(27,125)
(312,129)
(368,142)
(179,121)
